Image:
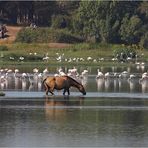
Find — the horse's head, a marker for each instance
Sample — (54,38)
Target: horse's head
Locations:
(81,89)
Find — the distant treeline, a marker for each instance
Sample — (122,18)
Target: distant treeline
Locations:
(96,21)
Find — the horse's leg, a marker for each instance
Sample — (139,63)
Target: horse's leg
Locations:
(51,90)
(68,91)
(46,88)
(64,91)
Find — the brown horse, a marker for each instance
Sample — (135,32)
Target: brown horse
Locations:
(62,82)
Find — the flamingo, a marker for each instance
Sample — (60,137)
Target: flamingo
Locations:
(84,74)
(35,70)
(143,77)
(61,73)
(16,71)
(131,77)
(45,71)
(107,75)
(100,74)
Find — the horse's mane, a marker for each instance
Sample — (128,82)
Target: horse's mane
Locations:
(74,80)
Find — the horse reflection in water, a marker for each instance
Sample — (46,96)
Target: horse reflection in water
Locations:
(62,82)
(56,107)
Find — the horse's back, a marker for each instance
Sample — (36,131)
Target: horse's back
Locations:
(57,82)
(61,82)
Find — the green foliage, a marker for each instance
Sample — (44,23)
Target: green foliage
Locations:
(22,57)
(98,19)
(94,21)
(57,21)
(27,35)
(45,35)
(144,41)
(2,93)
(3,48)
(63,36)
(123,53)
(130,29)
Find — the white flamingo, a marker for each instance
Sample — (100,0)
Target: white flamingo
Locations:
(100,74)
(131,77)
(84,74)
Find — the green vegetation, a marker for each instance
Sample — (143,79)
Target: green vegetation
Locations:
(95,29)
(3,48)
(2,93)
(23,54)
(46,35)
(75,21)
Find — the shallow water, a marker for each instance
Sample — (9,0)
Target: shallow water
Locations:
(73,121)
(112,114)
(90,83)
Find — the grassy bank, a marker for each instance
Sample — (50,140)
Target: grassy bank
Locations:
(101,54)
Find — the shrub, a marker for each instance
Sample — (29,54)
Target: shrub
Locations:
(144,41)
(45,35)
(3,48)
(61,21)
(123,53)
(20,57)
(63,36)
(29,35)
(2,93)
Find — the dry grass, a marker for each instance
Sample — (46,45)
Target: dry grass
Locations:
(59,45)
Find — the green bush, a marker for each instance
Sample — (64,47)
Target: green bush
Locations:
(19,57)
(144,41)
(61,21)
(123,53)
(45,35)
(29,35)
(63,36)
(3,48)
(2,93)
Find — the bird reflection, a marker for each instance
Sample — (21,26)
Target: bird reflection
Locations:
(116,85)
(39,85)
(100,84)
(144,86)
(2,84)
(107,84)
(84,81)
(24,84)
(16,82)
(31,87)
(132,85)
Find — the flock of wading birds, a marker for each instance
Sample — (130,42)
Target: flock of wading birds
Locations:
(35,78)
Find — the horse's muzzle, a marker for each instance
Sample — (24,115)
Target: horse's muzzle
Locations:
(84,93)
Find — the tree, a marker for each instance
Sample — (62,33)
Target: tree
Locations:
(96,19)
(23,12)
(130,29)
(102,19)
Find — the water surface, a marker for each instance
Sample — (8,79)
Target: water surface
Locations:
(73,121)
(112,114)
